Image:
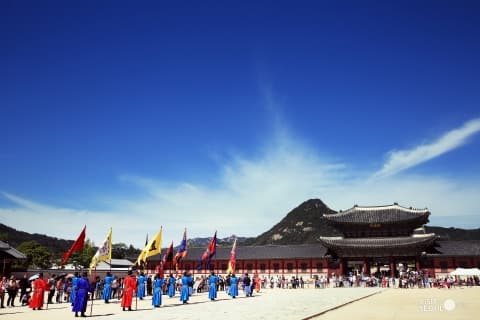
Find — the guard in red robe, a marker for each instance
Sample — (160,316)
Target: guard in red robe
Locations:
(39,287)
(129,287)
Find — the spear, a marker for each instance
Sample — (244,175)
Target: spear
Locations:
(91,306)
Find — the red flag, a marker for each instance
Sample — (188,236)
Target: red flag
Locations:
(209,252)
(76,246)
(168,257)
(182,249)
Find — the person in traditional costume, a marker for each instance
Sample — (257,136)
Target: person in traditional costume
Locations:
(186,281)
(157,291)
(81,296)
(73,292)
(141,286)
(129,287)
(107,287)
(212,286)
(39,287)
(233,292)
(171,285)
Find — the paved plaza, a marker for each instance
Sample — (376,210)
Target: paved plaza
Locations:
(333,303)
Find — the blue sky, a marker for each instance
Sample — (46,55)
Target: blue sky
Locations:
(226,115)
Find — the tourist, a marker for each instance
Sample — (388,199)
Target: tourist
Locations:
(157,291)
(59,286)
(3,289)
(51,288)
(24,286)
(81,296)
(247,285)
(114,286)
(129,287)
(12,290)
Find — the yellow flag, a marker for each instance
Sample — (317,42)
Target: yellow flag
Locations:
(104,252)
(153,247)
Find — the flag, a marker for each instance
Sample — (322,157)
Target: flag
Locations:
(182,249)
(168,257)
(233,259)
(104,252)
(209,252)
(76,246)
(153,247)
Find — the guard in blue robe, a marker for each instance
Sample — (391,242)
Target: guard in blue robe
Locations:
(107,287)
(171,285)
(233,286)
(141,286)
(81,297)
(184,294)
(157,291)
(212,286)
(73,292)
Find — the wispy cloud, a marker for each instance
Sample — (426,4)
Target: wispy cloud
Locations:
(399,160)
(251,195)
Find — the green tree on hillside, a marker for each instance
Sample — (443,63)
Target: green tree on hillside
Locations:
(38,256)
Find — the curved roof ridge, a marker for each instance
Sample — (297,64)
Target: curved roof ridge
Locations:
(395,206)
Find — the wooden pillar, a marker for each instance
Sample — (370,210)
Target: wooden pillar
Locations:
(392,268)
(366,267)
(311,268)
(417,264)
(341,267)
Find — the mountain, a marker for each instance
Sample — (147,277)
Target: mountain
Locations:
(454,233)
(304,224)
(15,237)
(226,242)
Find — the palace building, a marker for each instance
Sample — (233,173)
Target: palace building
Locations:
(375,240)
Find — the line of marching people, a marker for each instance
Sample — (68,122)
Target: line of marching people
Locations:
(134,286)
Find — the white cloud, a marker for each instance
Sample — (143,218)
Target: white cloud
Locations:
(404,159)
(252,195)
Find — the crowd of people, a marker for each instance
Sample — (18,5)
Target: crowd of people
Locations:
(77,289)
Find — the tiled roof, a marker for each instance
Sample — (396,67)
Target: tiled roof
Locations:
(380,214)
(5,248)
(469,248)
(260,252)
(380,242)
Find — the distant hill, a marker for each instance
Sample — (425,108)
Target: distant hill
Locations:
(454,233)
(15,237)
(228,241)
(304,224)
